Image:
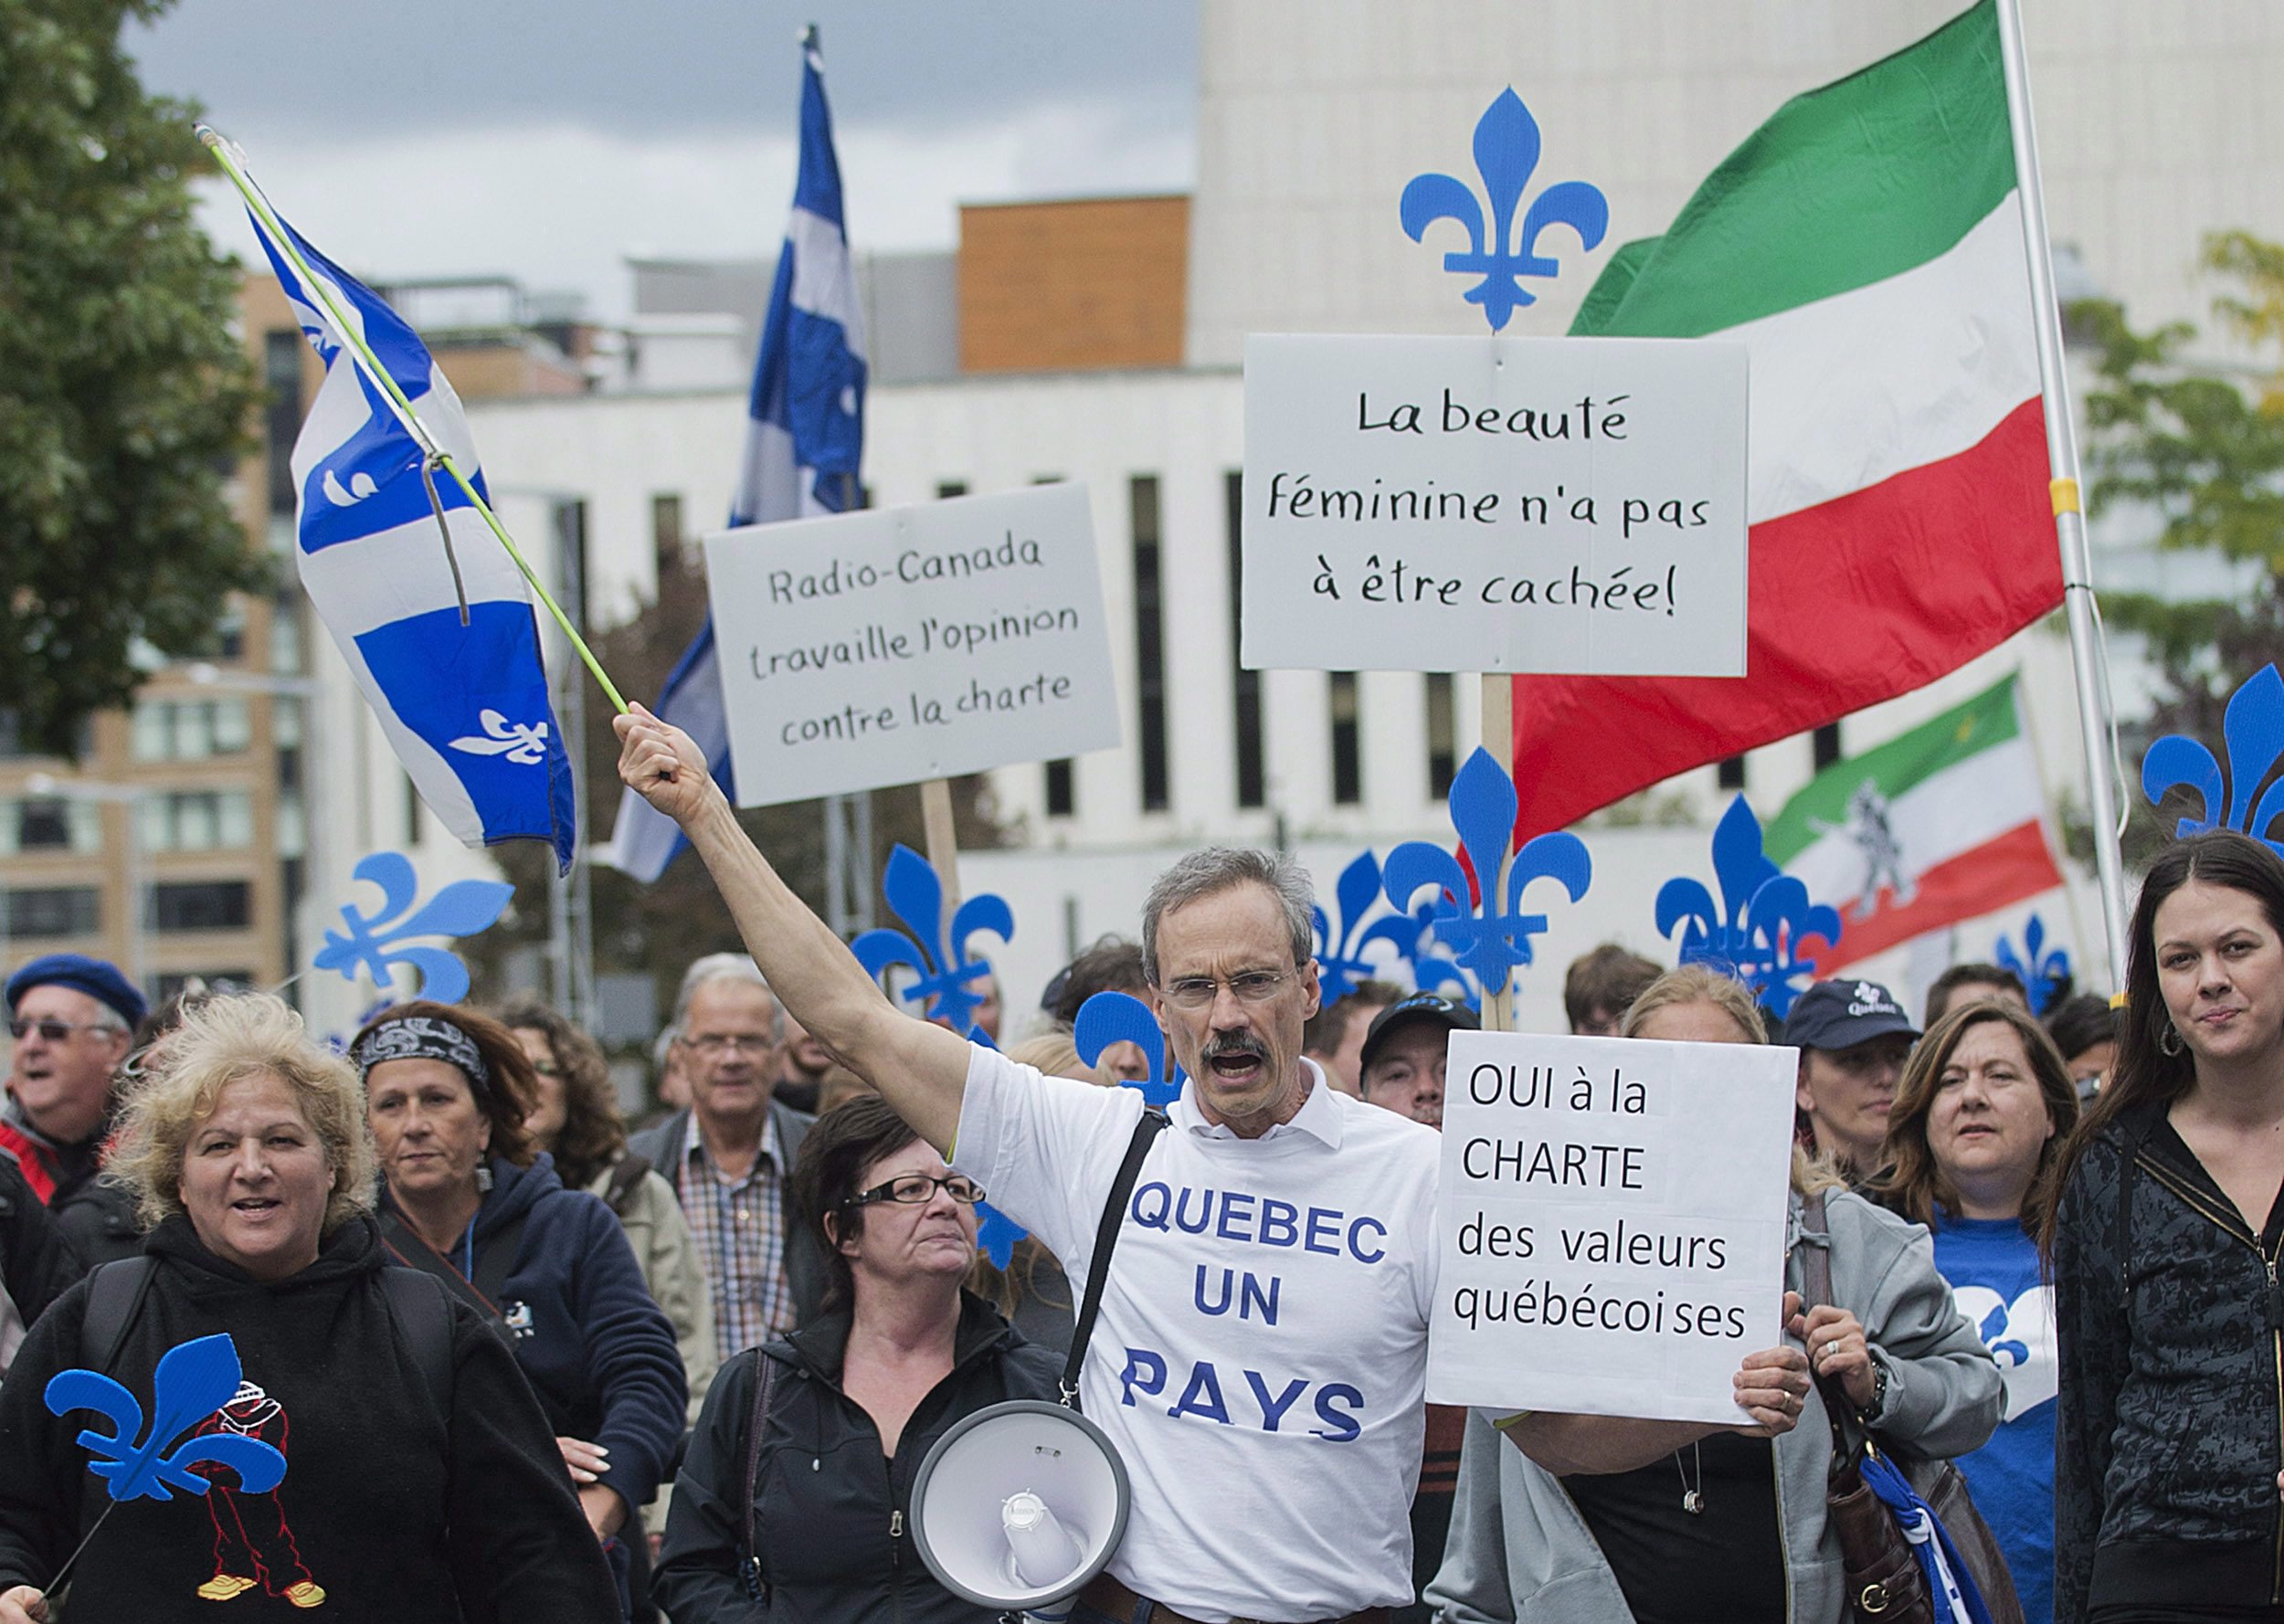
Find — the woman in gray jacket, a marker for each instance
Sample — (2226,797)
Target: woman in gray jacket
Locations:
(1590,1522)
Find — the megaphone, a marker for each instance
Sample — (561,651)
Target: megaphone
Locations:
(1019,1505)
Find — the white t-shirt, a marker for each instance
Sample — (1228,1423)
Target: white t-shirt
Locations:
(1261,1358)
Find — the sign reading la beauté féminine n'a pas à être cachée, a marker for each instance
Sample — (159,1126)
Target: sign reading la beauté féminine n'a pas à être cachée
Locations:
(895,645)
(1610,1221)
(1491,504)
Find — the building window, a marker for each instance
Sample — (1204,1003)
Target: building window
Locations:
(412,811)
(54,911)
(1252,785)
(190,730)
(1730,774)
(1442,733)
(1827,746)
(230,632)
(201,905)
(570,521)
(197,820)
(946,489)
(1149,639)
(281,352)
(47,824)
(14,748)
(1062,795)
(666,533)
(1348,744)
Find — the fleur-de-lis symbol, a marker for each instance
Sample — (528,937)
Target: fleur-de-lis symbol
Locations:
(915,893)
(1490,940)
(375,941)
(1121,1018)
(1765,917)
(193,1380)
(1340,958)
(2253,726)
(2043,971)
(523,742)
(1507,151)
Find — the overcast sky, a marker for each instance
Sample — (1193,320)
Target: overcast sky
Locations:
(547,141)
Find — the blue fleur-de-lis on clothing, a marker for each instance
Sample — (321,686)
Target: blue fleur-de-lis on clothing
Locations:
(2253,726)
(193,1380)
(1340,958)
(1489,941)
(376,942)
(1507,151)
(1121,1018)
(1764,917)
(915,893)
(2043,971)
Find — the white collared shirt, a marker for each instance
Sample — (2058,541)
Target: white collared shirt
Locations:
(1261,1358)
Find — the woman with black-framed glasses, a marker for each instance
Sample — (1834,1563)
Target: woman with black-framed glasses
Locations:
(849,1405)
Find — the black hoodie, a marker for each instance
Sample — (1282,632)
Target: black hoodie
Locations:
(393,1509)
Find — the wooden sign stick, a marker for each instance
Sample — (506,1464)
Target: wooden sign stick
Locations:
(942,839)
(1499,738)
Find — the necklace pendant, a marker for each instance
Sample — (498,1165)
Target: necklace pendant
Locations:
(1693,1501)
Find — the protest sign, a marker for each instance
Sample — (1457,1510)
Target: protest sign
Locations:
(897,645)
(1610,1223)
(1486,504)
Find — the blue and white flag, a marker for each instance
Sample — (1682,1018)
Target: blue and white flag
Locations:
(802,446)
(442,640)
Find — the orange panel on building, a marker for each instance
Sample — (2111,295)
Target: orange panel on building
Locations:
(1092,283)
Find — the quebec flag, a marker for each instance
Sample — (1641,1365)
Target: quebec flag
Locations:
(459,691)
(803,444)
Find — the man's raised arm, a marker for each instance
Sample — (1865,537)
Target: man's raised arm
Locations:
(920,1069)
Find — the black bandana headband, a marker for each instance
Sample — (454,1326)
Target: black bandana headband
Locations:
(423,1038)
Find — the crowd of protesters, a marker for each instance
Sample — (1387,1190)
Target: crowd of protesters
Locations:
(2051,1250)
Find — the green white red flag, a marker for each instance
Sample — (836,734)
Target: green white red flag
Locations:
(1865,244)
(1945,823)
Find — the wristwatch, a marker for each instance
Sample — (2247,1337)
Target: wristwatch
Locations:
(1866,1414)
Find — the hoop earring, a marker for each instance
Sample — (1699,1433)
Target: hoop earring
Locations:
(2172,1049)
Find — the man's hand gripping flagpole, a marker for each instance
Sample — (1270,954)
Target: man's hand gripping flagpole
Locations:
(232,158)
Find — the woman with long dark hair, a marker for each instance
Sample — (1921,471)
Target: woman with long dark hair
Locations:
(2164,1236)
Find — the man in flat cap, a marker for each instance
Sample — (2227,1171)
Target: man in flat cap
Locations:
(72,1019)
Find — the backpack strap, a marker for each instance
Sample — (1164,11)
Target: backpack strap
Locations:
(115,1291)
(2137,1134)
(749,1546)
(624,1179)
(1106,1237)
(422,1309)
(1815,1267)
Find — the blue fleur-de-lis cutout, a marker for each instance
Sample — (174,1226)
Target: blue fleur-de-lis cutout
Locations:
(2253,726)
(376,942)
(2043,971)
(193,1380)
(1494,938)
(1507,151)
(915,893)
(1340,958)
(1764,918)
(1121,1018)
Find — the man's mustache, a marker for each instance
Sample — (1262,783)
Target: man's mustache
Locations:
(1235,1043)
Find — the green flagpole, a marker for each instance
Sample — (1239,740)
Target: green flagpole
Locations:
(227,153)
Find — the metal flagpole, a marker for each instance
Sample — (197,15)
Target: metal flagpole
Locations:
(2095,723)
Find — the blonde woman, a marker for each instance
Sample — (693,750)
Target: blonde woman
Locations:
(421,1479)
(1592,1521)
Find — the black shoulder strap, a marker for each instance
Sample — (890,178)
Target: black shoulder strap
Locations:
(624,1179)
(423,1311)
(115,1291)
(1106,1237)
(2137,1130)
(1815,1266)
(749,1549)
(414,1252)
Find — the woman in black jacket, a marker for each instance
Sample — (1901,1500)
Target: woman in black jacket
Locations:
(2165,1243)
(854,1400)
(420,1479)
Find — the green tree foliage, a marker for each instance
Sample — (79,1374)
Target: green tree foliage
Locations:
(124,394)
(2205,450)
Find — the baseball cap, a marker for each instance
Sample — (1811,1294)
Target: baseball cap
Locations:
(1419,1007)
(1843,1014)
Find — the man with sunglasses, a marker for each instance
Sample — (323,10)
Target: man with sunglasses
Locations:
(1260,1360)
(73,1019)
